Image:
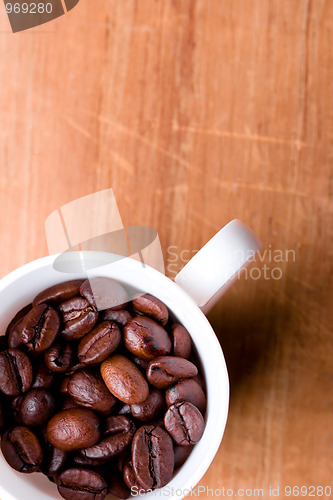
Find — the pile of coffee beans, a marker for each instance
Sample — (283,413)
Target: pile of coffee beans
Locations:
(98,392)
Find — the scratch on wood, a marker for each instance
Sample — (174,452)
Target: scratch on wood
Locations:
(205,220)
(246,137)
(79,128)
(123,163)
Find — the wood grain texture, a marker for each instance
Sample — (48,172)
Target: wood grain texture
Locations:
(196,112)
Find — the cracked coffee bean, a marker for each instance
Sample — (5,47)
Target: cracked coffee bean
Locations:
(15,372)
(60,357)
(40,327)
(166,370)
(78,483)
(78,316)
(184,423)
(145,338)
(22,449)
(153,456)
(98,344)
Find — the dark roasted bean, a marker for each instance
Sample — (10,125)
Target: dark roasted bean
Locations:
(15,372)
(14,335)
(124,409)
(167,370)
(118,436)
(184,423)
(98,344)
(115,482)
(73,429)
(78,316)
(60,357)
(142,364)
(3,343)
(131,480)
(78,483)
(40,327)
(145,338)
(18,316)
(36,407)
(59,293)
(181,454)
(54,459)
(104,293)
(124,380)
(152,456)
(182,342)
(121,317)
(151,306)
(44,378)
(21,449)
(186,390)
(88,389)
(150,408)
(2,415)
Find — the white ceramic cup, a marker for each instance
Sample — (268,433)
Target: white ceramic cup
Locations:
(202,279)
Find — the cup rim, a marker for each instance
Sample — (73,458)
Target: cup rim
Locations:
(217,409)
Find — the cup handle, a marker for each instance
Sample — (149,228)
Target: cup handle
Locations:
(209,273)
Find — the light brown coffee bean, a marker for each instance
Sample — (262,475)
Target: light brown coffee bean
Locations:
(151,306)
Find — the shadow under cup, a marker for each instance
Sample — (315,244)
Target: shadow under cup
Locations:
(22,285)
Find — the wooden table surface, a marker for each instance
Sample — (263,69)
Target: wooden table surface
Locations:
(196,112)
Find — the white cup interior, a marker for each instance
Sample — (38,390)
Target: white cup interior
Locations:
(21,286)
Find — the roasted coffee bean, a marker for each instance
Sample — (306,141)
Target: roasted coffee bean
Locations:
(167,370)
(124,380)
(98,344)
(54,459)
(88,389)
(118,436)
(142,364)
(60,357)
(78,483)
(130,479)
(59,293)
(15,372)
(186,390)
(151,306)
(78,316)
(2,416)
(121,317)
(44,378)
(115,482)
(40,327)
(14,335)
(184,423)
(150,408)
(18,316)
(36,407)
(104,293)
(124,409)
(145,338)
(182,343)
(68,403)
(81,461)
(73,429)
(63,389)
(152,456)
(22,449)
(181,454)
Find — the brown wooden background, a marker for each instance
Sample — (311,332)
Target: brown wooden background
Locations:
(197,112)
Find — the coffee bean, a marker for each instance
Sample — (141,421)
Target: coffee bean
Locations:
(54,459)
(15,372)
(153,456)
(78,483)
(40,327)
(59,293)
(88,389)
(184,423)
(18,316)
(104,293)
(60,357)
(98,344)
(44,378)
(73,429)
(36,407)
(118,436)
(145,338)
(2,416)
(150,408)
(130,478)
(181,454)
(166,370)
(14,335)
(115,482)
(121,317)
(78,316)
(187,390)
(22,449)
(182,343)
(124,380)
(142,364)
(151,306)
(63,389)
